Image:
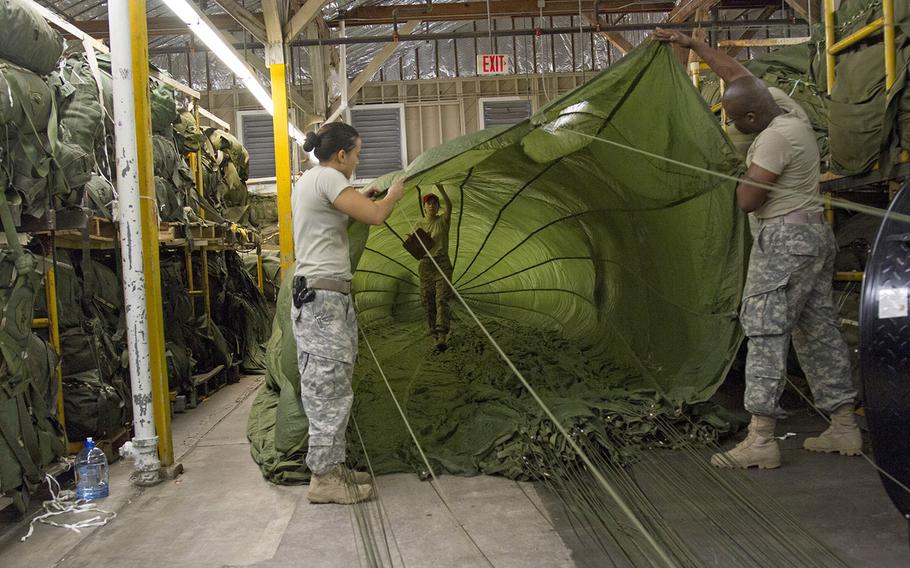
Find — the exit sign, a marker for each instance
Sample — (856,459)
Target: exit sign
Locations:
(494,64)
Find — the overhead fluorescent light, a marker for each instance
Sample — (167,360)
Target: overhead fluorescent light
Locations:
(200,28)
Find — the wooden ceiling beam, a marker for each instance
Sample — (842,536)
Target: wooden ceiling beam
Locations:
(447,12)
(304,15)
(251,22)
(373,66)
(688,8)
(474,10)
(617,39)
(733,51)
(161,26)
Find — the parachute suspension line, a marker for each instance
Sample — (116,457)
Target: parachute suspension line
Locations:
(780,532)
(384,519)
(499,214)
(837,202)
(621,504)
(818,199)
(434,483)
(363,521)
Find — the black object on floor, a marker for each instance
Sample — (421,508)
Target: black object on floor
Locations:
(885,350)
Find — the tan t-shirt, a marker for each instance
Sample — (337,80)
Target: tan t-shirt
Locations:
(320,230)
(438,229)
(787,147)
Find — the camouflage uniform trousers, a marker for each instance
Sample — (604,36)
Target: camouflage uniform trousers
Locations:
(326,334)
(435,293)
(788,296)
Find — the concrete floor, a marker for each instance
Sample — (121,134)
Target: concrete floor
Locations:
(222,513)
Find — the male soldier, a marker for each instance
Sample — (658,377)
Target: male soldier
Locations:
(435,292)
(788,286)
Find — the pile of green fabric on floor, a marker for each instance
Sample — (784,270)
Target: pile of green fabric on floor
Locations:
(610,277)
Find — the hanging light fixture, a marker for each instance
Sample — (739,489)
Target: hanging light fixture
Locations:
(226,53)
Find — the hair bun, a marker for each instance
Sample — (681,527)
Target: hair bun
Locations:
(311,142)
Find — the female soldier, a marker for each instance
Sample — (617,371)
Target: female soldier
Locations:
(322,314)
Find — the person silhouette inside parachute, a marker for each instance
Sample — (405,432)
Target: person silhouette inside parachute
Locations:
(435,268)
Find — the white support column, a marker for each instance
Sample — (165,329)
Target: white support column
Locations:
(145,440)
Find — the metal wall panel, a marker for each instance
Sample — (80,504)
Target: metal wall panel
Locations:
(257,135)
(505,112)
(380,130)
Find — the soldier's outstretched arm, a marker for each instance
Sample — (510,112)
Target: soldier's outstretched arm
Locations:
(360,207)
(445,200)
(726,67)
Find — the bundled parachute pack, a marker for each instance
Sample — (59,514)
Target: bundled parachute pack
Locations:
(29,432)
(31,172)
(38,167)
(226,163)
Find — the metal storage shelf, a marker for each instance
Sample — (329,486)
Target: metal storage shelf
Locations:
(74,228)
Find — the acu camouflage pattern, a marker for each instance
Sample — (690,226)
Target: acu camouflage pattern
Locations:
(435,292)
(325,331)
(788,296)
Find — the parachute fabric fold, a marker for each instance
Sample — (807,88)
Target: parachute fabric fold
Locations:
(611,277)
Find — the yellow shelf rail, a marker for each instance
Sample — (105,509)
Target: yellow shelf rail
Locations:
(834,46)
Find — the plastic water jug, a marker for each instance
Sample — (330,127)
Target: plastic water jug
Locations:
(91,472)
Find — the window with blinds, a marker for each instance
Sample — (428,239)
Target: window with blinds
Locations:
(503,111)
(381,129)
(255,129)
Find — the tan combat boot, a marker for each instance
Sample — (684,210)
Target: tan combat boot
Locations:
(358,477)
(331,487)
(758,449)
(842,436)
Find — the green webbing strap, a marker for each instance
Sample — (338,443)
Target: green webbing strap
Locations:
(9,227)
(32,473)
(101,207)
(52,130)
(27,432)
(25,266)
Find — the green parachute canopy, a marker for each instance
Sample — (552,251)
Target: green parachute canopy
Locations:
(611,278)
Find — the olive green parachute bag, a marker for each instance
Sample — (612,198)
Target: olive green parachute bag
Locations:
(188,134)
(164,108)
(27,39)
(26,160)
(29,433)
